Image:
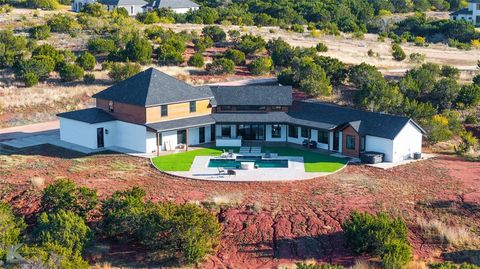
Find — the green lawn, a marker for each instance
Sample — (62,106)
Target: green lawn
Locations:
(314,162)
(183,161)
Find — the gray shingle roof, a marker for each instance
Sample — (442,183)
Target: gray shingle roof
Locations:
(365,122)
(181,123)
(89,115)
(123,2)
(152,87)
(173,4)
(251,117)
(463,11)
(253,95)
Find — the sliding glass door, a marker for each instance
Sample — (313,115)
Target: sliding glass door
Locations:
(251,131)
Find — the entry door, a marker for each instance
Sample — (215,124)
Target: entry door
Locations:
(336,140)
(182,137)
(201,135)
(100,139)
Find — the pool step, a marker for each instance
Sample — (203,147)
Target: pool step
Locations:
(244,150)
(256,150)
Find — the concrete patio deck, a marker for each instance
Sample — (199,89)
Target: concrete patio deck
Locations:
(295,171)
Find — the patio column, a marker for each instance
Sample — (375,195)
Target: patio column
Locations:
(158,144)
(186,139)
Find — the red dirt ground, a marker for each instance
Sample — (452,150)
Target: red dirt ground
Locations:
(269,224)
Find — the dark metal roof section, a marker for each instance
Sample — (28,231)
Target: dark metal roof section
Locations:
(464,11)
(181,123)
(252,95)
(123,2)
(89,115)
(152,87)
(172,4)
(365,122)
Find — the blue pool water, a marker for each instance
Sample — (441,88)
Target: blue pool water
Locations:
(259,162)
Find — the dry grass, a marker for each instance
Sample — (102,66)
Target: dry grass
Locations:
(361,264)
(37,182)
(416,265)
(454,236)
(227,200)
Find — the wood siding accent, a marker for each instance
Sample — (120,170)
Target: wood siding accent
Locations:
(124,112)
(178,110)
(349,152)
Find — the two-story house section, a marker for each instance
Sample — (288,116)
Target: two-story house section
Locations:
(151,112)
(471,13)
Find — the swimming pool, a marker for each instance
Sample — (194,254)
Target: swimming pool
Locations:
(259,162)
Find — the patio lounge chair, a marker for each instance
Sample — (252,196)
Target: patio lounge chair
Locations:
(230,153)
(268,154)
(231,172)
(221,170)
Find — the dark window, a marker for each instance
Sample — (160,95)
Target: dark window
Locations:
(277,108)
(182,137)
(164,110)
(201,138)
(276,131)
(350,142)
(193,106)
(110,106)
(293,131)
(226,131)
(225,108)
(251,108)
(305,132)
(362,143)
(323,137)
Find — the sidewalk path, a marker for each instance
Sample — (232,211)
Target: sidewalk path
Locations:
(29,130)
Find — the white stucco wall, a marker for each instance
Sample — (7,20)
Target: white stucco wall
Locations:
(407,142)
(183,10)
(379,144)
(85,134)
(131,136)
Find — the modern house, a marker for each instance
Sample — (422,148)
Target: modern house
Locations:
(177,6)
(151,112)
(471,13)
(134,7)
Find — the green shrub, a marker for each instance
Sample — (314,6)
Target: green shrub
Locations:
(476,80)
(94,9)
(169,55)
(398,53)
(87,61)
(260,66)
(238,57)
(63,23)
(149,17)
(379,235)
(449,265)
(11,228)
(40,32)
(89,78)
(196,60)
(221,66)
(396,254)
(30,79)
(122,213)
(419,41)
(47,256)
(321,47)
(202,43)
(71,72)
(43,4)
(468,96)
(450,72)
(119,71)
(468,143)
(215,33)
(41,66)
(251,44)
(297,28)
(138,50)
(186,229)
(101,45)
(50,51)
(65,195)
(63,228)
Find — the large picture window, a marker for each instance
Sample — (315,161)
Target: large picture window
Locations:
(226,131)
(305,132)
(293,131)
(350,142)
(323,137)
(276,131)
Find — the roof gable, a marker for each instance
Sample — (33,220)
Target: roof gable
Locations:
(152,87)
